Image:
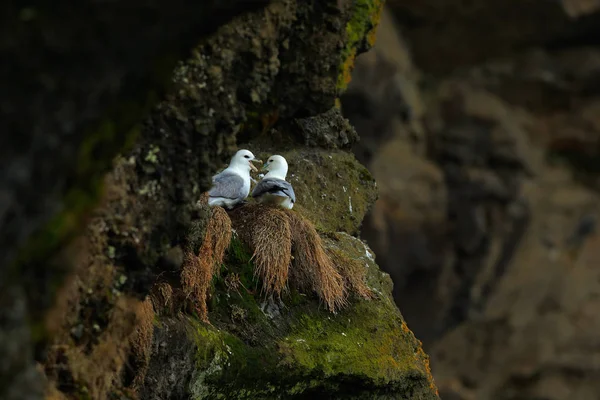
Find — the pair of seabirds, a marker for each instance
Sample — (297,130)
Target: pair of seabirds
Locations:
(231,186)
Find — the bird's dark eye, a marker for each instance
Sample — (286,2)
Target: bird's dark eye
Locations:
(246,156)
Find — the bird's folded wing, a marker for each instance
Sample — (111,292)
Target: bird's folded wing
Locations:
(227,185)
(274,186)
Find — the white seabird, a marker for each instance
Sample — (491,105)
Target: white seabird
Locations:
(231,187)
(273,188)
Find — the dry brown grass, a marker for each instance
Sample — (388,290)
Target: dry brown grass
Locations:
(141,342)
(353,272)
(198,270)
(312,265)
(203,200)
(161,296)
(274,235)
(266,230)
(100,368)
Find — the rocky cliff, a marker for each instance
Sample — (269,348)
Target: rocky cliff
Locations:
(101,296)
(479,121)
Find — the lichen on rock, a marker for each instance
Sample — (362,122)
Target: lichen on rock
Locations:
(363,351)
(267,80)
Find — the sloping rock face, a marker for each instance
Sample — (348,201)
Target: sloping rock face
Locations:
(76,79)
(290,348)
(267,80)
(488,190)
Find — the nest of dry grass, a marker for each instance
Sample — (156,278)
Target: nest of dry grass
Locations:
(287,247)
(199,269)
(267,233)
(314,268)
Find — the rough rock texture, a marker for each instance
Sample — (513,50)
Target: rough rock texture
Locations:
(488,180)
(76,79)
(269,79)
(94,58)
(265,348)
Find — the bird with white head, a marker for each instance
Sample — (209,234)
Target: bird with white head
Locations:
(273,188)
(231,187)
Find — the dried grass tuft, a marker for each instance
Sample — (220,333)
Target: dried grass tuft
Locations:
(161,296)
(266,230)
(312,266)
(198,270)
(286,246)
(100,368)
(203,200)
(141,342)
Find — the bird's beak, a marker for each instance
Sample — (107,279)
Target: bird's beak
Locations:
(252,167)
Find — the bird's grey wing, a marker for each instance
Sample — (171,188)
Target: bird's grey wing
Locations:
(229,186)
(276,187)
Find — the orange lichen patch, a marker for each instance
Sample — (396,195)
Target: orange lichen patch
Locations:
(362,26)
(422,359)
(375,17)
(346,70)
(198,270)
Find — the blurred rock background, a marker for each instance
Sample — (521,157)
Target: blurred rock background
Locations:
(480,121)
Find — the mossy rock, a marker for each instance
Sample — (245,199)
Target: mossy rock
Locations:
(292,348)
(360,36)
(332,188)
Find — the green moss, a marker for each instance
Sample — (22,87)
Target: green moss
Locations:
(360,36)
(220,358)
(238,308)
(333,189)
(365,351)
(364,340)
(238,252)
